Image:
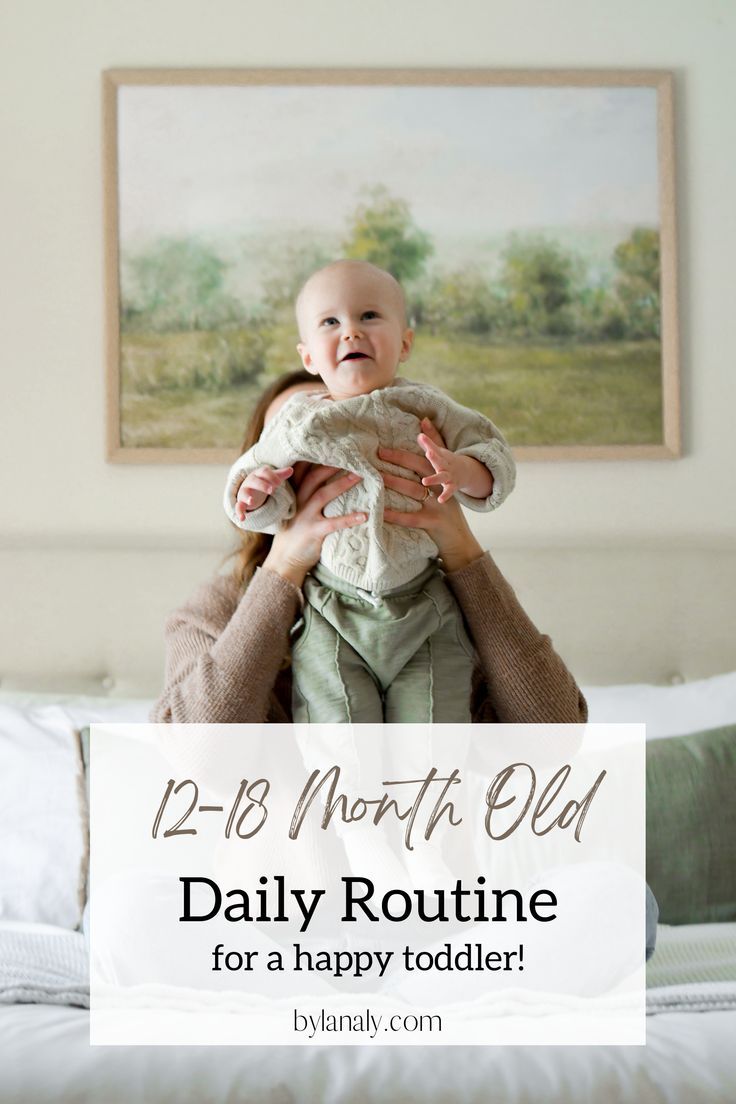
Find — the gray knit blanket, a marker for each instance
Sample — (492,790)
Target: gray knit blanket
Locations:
(709,996)
(40,964)
(693,969)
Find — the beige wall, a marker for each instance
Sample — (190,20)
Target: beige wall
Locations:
(53,478)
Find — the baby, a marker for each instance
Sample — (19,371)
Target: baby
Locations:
(383,639)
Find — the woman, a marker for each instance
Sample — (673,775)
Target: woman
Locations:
(227,650)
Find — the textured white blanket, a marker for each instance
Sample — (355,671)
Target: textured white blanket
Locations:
(711,996)
(693,969)
(40,964)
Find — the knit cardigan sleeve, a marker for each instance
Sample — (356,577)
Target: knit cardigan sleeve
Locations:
(525,681)
(279,506)
(224,651)
(470,433)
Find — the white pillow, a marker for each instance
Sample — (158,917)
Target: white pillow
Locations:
(81,710)
(41,826)
(667,710)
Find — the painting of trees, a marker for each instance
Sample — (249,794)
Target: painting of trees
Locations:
(524,224)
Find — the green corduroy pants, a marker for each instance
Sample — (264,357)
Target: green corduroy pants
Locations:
(400,658)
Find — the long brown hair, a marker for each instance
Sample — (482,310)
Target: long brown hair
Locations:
(254,547)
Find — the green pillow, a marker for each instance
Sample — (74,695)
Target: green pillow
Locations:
(691,826)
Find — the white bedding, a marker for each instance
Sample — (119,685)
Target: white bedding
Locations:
(45,1057)
(694,967)
(689,1058)
(41,964)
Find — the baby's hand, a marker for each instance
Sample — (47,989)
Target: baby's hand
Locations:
(446,468)
(453,471)
(256,487)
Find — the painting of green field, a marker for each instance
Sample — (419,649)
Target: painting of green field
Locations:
(523,222)
(602,393)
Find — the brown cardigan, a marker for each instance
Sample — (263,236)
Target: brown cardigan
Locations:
(225,654)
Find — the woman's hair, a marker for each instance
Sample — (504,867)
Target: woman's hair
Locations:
(254,547)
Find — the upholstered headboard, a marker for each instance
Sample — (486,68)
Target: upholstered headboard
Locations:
(89,618)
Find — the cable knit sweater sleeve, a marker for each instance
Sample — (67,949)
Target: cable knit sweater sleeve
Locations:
(279,506)
(470,433)
(526,682)
(224,651)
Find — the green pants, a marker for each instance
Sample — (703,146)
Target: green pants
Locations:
(403,657)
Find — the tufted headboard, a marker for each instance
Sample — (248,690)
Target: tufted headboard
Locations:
(88,618)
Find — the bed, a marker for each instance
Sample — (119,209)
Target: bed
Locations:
(82,643)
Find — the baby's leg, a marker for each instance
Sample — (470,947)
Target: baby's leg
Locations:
(332,683)
(434,686)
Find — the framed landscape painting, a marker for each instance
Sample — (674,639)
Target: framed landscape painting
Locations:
(529,216)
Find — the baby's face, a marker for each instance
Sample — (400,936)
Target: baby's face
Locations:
(353,328)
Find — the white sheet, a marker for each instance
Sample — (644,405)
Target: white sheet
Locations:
(689,1059)
(45,1057)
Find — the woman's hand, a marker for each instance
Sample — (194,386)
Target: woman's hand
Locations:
(298,546)
(445,522)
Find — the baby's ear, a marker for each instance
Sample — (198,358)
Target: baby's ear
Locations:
(306,356)
(407,341)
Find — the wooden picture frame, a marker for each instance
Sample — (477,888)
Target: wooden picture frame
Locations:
(605,350)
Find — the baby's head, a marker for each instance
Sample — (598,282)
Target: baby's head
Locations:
(353,329)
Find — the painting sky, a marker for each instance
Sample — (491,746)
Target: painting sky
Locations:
(472,162)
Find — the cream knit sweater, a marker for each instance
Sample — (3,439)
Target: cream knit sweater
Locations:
(347,434)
